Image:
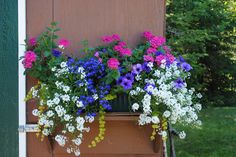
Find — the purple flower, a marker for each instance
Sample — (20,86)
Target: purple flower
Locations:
(120,80)
(181,59)
(185,66)
(126,84)
(56,53)
(129,77)
(145,67)
(158,53)
(105,104)
(136,69)
(179,83)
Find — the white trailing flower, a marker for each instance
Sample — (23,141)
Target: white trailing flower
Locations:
(182,135)
(135,107)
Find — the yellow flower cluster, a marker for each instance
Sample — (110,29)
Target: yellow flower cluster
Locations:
(102,129)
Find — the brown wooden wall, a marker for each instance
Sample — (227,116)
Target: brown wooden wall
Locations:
(91,19)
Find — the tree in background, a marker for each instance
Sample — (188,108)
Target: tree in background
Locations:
(204,31)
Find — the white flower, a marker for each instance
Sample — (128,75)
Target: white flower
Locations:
(148,120)
(135,107)
(67,117)
(63,64)
(157,73)
(80,69)
(68,150)
(79,104)
(163,134)
(198,106)
(89,119)
(61,140)
(54,69)
(155,120)
(138,77)
(95,96)
(65,98)
(166,114)
(66,88)
(56,100)
(50,113)
(77,152)
(35,112)
(199,95)
(49,103)
(77,141)
(150,65)
(45,132)
(182,135)
(71,128)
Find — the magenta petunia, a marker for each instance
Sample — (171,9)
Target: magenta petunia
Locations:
(113,63)
(148,58)
(63,43)
(167,49)
(157,41)
(29,58)
(126,52)
(115,37)
(151,50)
(159,59)
(123,44)
(32,41)
(107,39)
(118,48)
(170,57)
(148,35)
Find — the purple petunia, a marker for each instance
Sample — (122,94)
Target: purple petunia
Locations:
(179,83)
(136,69)
(149,87)
(126,84)
(56,53)
(158,53)
(129,77)
(185,66)
(145,67)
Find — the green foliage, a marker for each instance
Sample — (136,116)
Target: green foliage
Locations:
(204,32)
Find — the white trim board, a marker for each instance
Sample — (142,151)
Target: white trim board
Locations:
(21,77)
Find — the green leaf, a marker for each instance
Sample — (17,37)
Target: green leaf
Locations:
(47,53)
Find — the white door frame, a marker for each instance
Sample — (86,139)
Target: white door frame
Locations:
(21,76)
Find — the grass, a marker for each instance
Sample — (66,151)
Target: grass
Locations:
(216,137)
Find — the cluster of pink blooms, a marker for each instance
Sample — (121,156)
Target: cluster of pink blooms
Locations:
(113,63)
(109,39)
(152,51)
(32,41)
(29,58)
(122,49)
(63,43)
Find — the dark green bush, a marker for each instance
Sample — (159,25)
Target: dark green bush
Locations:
(204,31)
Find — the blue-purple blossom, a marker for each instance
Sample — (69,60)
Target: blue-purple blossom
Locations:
(56,53)
(158,53)
(179,83)
(126,84)
(185,66)
(105,104)
(136,69)
(145,67)
(130,77)
(120,80)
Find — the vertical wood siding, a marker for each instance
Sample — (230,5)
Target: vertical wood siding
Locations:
(8,79)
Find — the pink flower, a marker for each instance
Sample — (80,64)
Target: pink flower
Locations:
(32,41)
(151,50)
(113,63)
(148,58)
(170,57)
(115,37)
(167,49)
(118,48)
(126,52)
(159,59)
(63,43)
(123,44)
(107,39)
(29,58)
(157,41)
(96,54)
(148,35)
